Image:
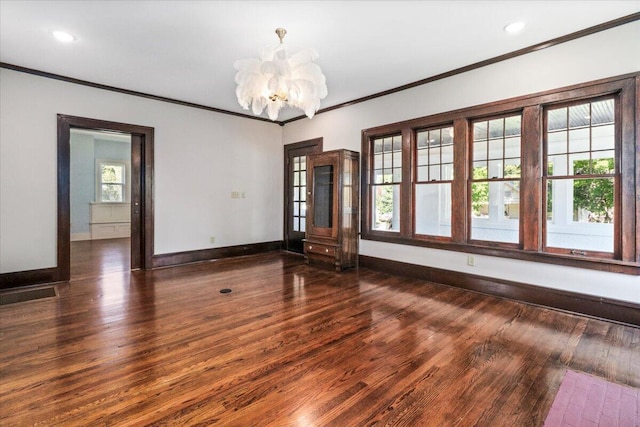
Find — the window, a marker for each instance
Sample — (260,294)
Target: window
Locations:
(495,179)
(549,177)
(434,175)
(580,176)
(111,180)
(386,176)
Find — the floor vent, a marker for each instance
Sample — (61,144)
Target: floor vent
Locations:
(29,295)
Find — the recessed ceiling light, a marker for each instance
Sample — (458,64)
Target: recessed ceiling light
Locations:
(514,27)
(63,36)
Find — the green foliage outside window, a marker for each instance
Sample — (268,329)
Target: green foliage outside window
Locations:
(512,171)
(384,201)
(594,195)
(109,174)
(479,191)
(112,183)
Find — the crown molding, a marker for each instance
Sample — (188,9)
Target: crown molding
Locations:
(530,49)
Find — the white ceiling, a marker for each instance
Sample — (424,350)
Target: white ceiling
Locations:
(185,50)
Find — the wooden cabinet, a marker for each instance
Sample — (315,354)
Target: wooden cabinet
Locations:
(332,208)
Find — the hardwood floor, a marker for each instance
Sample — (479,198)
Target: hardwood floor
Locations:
(291,345)
(93,258)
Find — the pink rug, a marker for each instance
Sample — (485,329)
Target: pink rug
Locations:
(586,401)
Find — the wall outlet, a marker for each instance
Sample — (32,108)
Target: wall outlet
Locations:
(212,240)
(471,260)
(235,194)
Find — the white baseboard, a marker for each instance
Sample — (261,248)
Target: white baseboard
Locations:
(112,230)
(75,237)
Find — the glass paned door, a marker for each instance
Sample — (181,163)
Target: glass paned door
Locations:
(296,192)
(299,193)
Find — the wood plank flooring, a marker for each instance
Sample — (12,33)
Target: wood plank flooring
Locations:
(291,345)
(92,258)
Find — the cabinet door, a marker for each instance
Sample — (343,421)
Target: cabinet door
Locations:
(323,196)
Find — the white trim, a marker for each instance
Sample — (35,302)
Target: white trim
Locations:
(112,230)
(127,179)
(101,213)
(76,237)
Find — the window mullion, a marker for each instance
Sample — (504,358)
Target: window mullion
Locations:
(628,182)
(549,169)
(406,192)
(459,189)
(531,208)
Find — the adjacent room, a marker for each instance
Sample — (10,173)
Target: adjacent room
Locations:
(320,213)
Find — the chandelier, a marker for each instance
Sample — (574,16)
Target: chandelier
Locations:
(277,79)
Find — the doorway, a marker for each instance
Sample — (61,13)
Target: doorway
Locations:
(141,190)
(100,196)
(295,191)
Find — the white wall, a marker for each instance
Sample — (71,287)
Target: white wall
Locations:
(601,55)
(85,150)
(81,182)
(200,158)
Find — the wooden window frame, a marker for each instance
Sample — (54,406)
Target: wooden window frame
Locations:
(471,180)
(415,182)
(626,258)
(370,173)
(546,178)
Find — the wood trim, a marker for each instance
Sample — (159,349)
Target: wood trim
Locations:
(365,190)
(305,144)
(213,254)
(622,166)
(137,191)
(530,49)
(406,187)
(63,263)
(602,308)
(142,164)
(327,158)
(637,174)
(630,170)
(459,220)
(524,51)
(367,138)
(28,277)
(530,251)
(129,92)
(595,88)
(531,178)
(148,206)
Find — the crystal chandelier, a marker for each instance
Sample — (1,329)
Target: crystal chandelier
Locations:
(277,79)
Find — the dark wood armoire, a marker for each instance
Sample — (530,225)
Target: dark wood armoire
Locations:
(332,209)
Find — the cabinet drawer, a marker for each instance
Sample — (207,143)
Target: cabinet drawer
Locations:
(320,249)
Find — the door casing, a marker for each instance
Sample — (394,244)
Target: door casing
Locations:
(141,190)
